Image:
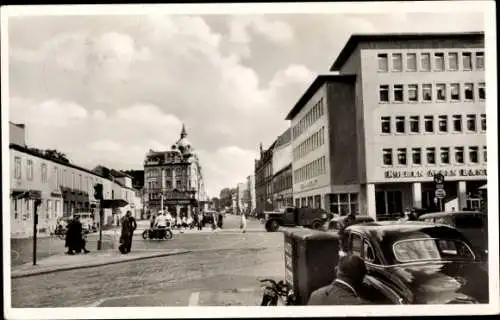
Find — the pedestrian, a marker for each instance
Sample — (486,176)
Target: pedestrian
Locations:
(74,237)
(152,222)
(200,220)
(346,288)
(128,226)
(243,224)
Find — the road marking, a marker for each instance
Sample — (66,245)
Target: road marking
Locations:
(194,298)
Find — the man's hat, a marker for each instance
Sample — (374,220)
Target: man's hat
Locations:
(351,267)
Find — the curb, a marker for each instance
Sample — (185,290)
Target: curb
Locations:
(24,274)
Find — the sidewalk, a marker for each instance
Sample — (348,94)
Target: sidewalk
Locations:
(63,262)
(138,232)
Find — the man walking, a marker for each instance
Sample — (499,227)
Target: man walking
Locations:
(345,289)
(243,224)
(128,227)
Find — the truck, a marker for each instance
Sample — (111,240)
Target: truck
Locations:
(313,218)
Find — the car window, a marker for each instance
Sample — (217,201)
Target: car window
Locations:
(431,249)
(469,222)
(368,253)
(356,244)
(444,220)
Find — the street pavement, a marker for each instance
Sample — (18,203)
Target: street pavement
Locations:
(222,268)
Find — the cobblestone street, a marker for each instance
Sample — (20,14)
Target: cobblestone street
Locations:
(219,262)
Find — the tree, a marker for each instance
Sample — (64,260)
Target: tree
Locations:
(226,197)
(51,154)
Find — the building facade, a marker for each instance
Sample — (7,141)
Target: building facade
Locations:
(282,166)
(263,180)
(174,180)
(63,188)
(401,109)
(251,194)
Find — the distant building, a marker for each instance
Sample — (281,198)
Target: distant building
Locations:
(263,180)
(174,180)
(399,109)
(282,167)
(250,194)
(64,189)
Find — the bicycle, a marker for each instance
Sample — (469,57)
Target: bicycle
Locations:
(275,292)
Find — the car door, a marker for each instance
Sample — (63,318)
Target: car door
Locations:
(378,292)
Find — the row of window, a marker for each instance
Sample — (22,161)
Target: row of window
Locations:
(283,182)
(75,181)
(438,61)
(430,155)
(428,92)
(168,184)
(413,124)
(23,208)
(308,202)
(308,119)
(169,172)
(310,170)
(316,140)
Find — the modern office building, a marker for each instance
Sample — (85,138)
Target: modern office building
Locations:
(398,109)
(174,180)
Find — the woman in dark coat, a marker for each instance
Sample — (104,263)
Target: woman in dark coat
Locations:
(128,226)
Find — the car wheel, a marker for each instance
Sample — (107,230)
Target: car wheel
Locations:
(316,225)
(145,235)
(168,235)
(272,226)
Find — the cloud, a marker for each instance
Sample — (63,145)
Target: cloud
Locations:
(276,31)
(107,89)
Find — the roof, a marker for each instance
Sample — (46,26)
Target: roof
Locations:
(454,213)
(27,151)
(355,39)
(284,138)
(392,229)
(314,87)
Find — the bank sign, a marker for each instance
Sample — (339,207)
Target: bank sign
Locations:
(423,174)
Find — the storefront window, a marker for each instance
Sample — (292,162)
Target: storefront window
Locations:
(389,202)
(344,203)
(317,201)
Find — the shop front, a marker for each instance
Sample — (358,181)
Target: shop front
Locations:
(402,190)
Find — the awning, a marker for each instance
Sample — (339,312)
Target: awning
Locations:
(26,194)
(113,203)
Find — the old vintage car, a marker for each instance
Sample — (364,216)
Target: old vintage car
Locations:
(314,218)
(472,224)
(418,263)
(336,222)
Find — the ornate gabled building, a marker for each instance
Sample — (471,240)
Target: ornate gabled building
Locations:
(173,180)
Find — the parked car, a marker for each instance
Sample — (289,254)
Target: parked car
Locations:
(313,218)
(418,263)
(337,221)
(472,224)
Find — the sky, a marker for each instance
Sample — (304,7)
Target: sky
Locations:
(104,89)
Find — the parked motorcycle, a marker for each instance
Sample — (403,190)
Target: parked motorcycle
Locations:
(158,233)
(275,292)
